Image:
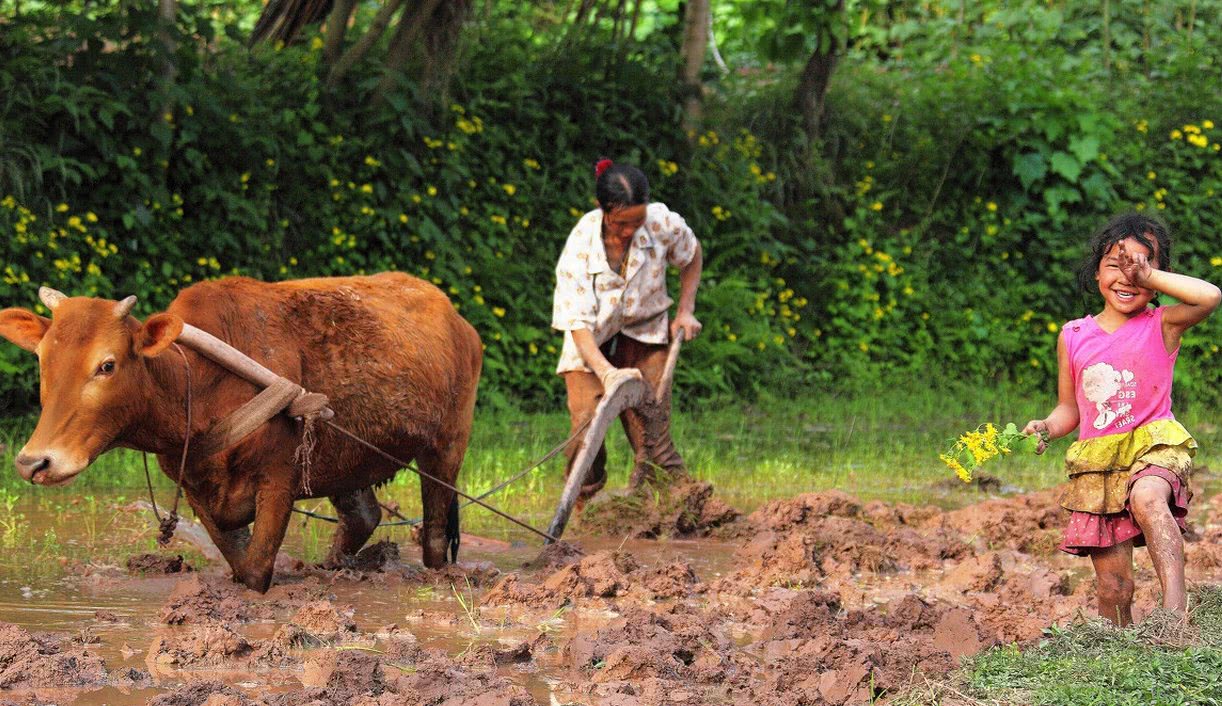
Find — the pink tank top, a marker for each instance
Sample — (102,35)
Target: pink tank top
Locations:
(1122,379)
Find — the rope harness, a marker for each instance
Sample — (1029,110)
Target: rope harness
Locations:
(169,523)
(283,395)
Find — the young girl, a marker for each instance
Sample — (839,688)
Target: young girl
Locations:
(1129,468)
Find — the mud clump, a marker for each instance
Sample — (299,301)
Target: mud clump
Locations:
(157,564)
(644,644)
(198,600)
(830,546)
(861,654)
(377,557)
(805,509)
(1024,522)
(609,574)
(44,661)
(199,645)
(683,507)
(555,556)
(203,693)
(324,620)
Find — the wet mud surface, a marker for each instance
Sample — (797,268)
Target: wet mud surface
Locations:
(816,599)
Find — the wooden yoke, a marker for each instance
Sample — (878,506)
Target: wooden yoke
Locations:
(281,394)
(625,392)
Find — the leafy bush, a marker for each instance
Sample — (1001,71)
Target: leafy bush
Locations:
(933,228)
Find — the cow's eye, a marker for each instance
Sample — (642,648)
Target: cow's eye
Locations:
(106,368)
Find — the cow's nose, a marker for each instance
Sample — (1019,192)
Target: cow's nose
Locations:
(28,465)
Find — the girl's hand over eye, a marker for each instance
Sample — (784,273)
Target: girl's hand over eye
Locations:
(1135,266)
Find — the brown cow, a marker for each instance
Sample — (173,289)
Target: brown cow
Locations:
(399,365)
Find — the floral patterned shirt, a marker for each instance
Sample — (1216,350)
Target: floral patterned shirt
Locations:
(590,295)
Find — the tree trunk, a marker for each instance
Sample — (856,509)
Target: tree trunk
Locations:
(695,43)
(815,79)
(337,27)
(428,32)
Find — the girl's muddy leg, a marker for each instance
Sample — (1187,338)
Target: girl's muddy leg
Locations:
(1149,501)
(1114,582)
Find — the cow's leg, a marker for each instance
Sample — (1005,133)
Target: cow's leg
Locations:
(231,543)
(439,531)
(273,506)
(359,515)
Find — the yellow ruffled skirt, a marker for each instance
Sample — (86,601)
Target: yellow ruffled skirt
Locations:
(1099,468)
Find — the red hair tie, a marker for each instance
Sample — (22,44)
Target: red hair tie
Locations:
(602,166)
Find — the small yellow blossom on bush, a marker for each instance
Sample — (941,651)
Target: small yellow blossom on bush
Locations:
(498,312)
(137,151)
(1176,134)
(1142,126)
(370,161)
(991,206)
(510,189)
(1199,140)
(431,190)
(403,218)
(61,208)
(1207,124)
(876,206)
(1052,327)
(530,163)
(499,219)
(1215,261)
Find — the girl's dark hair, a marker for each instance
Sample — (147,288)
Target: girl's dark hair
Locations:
(1148,231)
(620,185)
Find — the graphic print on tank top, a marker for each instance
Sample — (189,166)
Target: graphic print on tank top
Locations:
(1113,393)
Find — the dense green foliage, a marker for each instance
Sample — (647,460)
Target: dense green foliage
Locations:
(933,228)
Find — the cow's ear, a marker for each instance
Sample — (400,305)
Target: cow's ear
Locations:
(157,333)
(24,328)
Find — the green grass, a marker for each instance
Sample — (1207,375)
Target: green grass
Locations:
(875,446)
(1157,662)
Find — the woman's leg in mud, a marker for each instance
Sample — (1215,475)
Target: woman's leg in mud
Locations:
(1149,501)
(648,424)
(1114,582)
(584,391)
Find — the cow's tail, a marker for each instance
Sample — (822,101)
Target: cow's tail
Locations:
(452,535)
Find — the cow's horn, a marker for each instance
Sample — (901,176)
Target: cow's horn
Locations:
(51,297)
(123,308)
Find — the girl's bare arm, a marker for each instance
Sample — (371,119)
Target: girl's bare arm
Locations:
(1063,418)
(1197,298)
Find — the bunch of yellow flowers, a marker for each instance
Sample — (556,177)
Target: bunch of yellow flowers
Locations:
(984,443)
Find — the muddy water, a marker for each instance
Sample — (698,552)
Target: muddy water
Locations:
(64,572)
(820,598)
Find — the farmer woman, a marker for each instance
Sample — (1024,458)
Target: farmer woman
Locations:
(611,302)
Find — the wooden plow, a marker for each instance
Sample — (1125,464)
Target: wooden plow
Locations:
(624,393)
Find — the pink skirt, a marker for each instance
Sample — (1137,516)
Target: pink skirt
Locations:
(1087,530)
